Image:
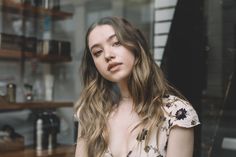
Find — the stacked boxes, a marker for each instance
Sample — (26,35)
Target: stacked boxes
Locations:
(12,42)
(34,45)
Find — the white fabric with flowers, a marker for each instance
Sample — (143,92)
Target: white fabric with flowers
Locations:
(177,112)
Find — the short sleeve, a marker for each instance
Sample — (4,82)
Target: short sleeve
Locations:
(180,113)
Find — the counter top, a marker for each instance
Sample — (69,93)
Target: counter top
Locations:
(34,105)
(60,151)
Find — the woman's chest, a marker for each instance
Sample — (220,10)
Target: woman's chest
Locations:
(124,142)
(123,130)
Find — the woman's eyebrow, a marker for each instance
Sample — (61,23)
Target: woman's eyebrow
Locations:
(111,37)
(108,39)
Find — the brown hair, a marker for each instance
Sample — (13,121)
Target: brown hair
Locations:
(146,85)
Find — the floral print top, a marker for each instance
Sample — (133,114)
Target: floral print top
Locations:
(177,112)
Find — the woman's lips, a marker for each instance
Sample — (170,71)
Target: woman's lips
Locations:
(112,66)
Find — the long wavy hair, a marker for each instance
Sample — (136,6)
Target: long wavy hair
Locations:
(99,96)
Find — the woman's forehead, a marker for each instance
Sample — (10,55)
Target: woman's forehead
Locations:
(100,33)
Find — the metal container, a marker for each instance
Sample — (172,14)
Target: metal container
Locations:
(11,92)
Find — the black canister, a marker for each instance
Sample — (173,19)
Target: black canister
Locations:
(11,92)
(54,129)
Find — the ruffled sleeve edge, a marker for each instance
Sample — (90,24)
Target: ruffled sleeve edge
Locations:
(180,113)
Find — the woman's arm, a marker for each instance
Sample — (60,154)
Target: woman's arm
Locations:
(80,148)
(180,143)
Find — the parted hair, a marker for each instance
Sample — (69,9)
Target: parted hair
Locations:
(99,96)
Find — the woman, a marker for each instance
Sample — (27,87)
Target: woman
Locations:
(126,107)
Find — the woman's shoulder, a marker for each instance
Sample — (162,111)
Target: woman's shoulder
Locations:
(171,103)
(179,112)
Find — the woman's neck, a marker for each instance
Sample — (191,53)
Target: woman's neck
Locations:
(124,92)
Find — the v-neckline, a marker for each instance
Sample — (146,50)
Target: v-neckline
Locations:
(141,134)
(128,154)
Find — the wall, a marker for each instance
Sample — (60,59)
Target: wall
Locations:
(228,40)
(214,57)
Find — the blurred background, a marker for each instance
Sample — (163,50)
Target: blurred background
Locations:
(41,46)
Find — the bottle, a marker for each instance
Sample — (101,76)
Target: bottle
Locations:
(39,134)
(46,129)
(37,81)
(11,92)
(54,129)
(40,131)
(28,92)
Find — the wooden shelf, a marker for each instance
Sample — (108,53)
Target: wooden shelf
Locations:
(34,105)
(28,10)
(60,151)
(13,54)
(53,58)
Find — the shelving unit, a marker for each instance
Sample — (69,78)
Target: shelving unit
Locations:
(29,10)
(16,55)
(25,11)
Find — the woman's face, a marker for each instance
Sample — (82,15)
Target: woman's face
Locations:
(113,61)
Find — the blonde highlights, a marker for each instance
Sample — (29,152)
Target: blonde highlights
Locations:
(146,85)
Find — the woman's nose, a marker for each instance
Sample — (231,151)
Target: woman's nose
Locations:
(109,55)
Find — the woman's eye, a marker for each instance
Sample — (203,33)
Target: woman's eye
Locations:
(97,53)
(117,43)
